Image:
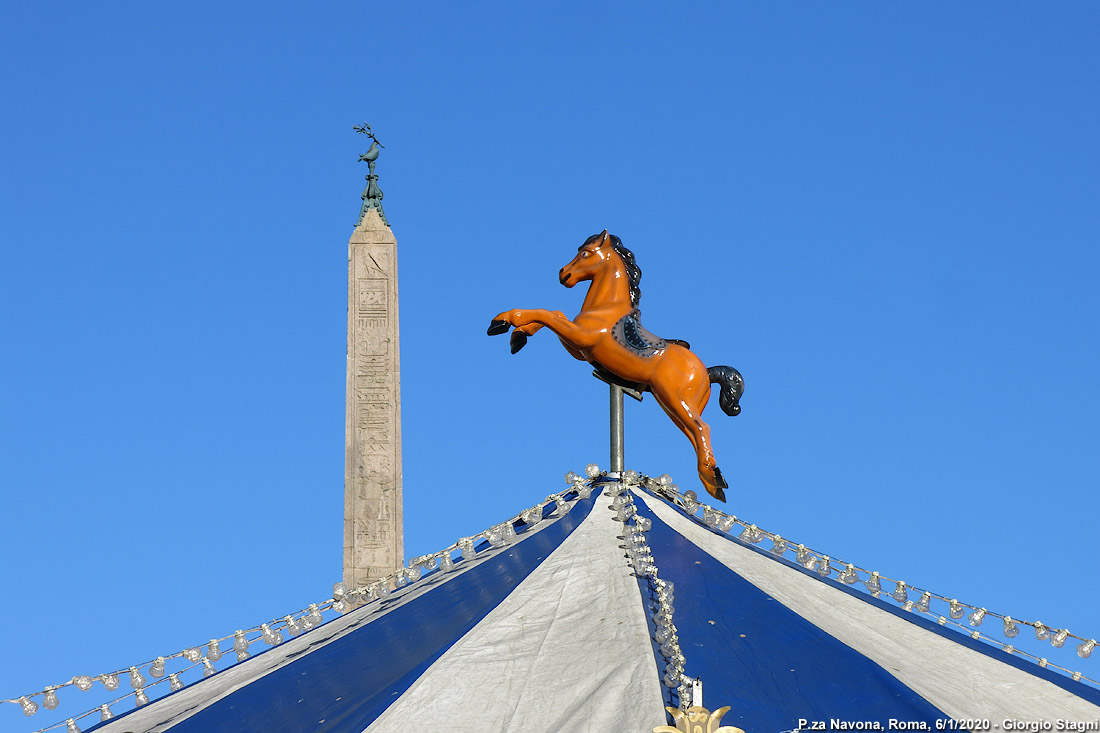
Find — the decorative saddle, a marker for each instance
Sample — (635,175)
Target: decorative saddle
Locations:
(630,332)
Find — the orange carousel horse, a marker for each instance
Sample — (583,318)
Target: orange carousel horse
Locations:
(608,334)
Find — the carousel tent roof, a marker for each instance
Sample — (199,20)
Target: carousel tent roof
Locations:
(564,626)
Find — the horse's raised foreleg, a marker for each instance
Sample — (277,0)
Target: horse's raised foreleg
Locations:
(570,333)
(521,334)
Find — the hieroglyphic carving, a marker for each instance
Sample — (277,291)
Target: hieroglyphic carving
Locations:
(373,536)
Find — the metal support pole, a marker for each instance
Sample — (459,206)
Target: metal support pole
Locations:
(617,429)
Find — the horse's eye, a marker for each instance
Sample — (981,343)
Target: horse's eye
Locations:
(584,254)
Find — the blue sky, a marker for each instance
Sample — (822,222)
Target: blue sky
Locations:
(885,216)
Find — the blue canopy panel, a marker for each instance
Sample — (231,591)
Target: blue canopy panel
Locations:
(544,634)
(779,644)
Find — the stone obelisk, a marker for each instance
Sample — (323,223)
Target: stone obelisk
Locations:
(373,530)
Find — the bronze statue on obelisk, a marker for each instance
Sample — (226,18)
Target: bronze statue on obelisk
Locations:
(373,530)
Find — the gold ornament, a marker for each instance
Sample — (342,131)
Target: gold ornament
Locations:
(697,719)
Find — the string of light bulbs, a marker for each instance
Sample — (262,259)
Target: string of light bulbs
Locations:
(641,559)
(497,535)
(271,632)
(825,566)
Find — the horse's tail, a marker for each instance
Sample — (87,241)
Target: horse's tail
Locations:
(733,386)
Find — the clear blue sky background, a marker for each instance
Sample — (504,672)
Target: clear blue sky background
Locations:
(884,215)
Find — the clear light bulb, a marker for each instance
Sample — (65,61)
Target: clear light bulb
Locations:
(30,707)
(208,668)
(824,568)
(684,691)
(193,654)
(157,667)
(399,580)
(243,654)
(315,614)
(572,478)
(900,593)
(414,572)
(83,682)
(105,713)
(1076,676)
(664,480)
(1011,629)
(725,524)
(801,554)
(630,477)
(1010,649)
(957,610)
(907,606)
(1042,662)
(214,650)
(140,698)
(779,545)
(174,683)
(925,602)
(446,564)
(1042,633)
(70,726)
(240,643)
(1084,649)
(110,681)
(874,583)
(270,637)
(592,470)
(563,507)
(49,700)
(339,590)
(1059,638)
(849,576)
(432,563)
(977,617)
(584,491)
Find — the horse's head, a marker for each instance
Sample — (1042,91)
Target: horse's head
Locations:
(602,252)
(593,256)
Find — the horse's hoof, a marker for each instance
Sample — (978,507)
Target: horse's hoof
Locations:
(518,340)
(716,488)
(719,480)
(498,327)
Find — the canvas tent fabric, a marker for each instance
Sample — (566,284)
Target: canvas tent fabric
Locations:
(554,633)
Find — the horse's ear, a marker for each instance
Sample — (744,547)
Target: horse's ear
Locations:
(603,237)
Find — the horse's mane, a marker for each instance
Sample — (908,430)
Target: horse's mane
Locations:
(633,272)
